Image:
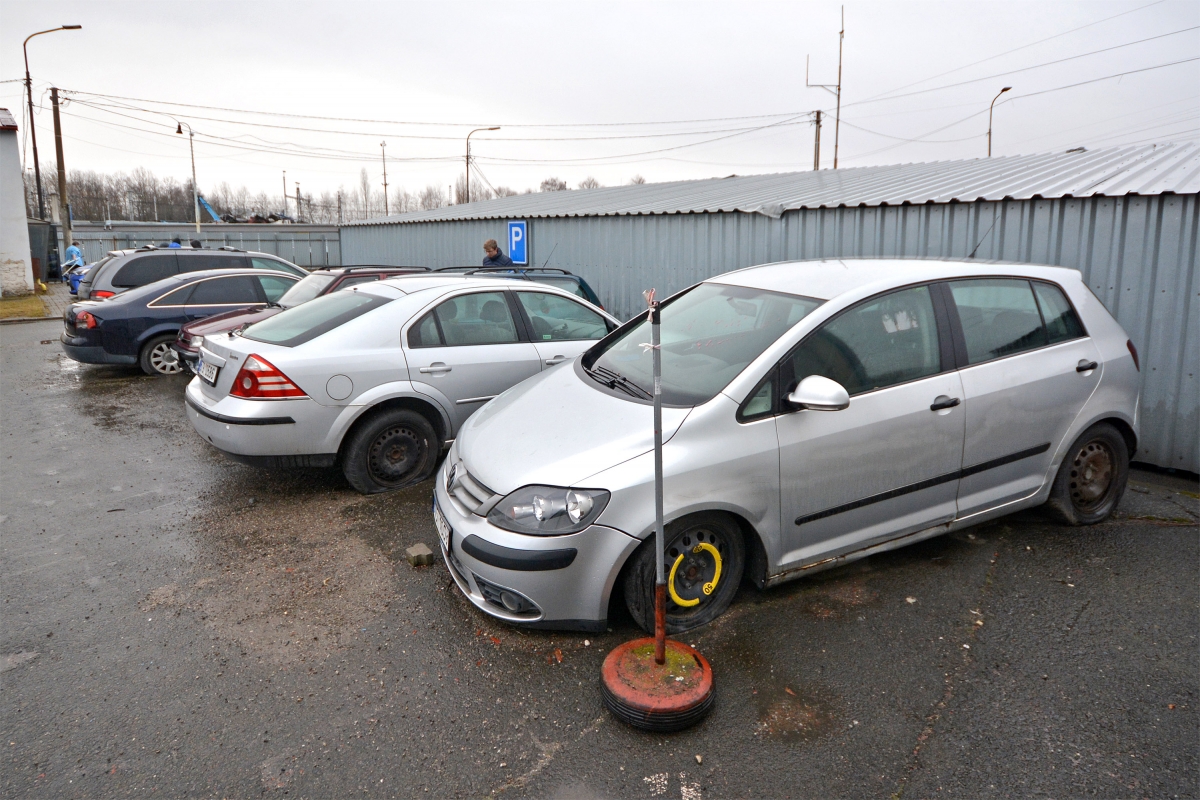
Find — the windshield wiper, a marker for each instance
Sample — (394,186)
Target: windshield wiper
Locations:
(615,380)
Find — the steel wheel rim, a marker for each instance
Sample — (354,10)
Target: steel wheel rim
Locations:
(695,570)
(1092,475)
(164,360)
(394,454)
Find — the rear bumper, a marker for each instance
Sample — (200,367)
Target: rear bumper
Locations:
(254,430)
(80,350)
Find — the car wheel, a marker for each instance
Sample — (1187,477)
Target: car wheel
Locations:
(1092,477)
(158,358)
(392,449)
(705,557)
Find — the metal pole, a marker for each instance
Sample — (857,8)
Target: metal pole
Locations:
(297,201)
(383,145)
(37,169)
(477,130)
(285,192)
(990,107)
(660,578)
(817,144)
(837,125)
(62,171)
(195,189)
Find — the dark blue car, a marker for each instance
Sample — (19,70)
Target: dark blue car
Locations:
(138,326)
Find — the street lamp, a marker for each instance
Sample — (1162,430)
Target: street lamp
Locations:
(477,130)
(191,146)
(994,99)
(37,169)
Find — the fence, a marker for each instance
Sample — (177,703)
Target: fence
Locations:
(305,245)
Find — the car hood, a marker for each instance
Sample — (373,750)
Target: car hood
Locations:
(228,320)
(556,429)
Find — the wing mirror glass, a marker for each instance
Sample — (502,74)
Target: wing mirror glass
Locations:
(818,393)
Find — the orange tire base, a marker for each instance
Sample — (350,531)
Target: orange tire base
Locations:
(668,697)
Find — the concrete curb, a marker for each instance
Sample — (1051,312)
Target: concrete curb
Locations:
(17,320)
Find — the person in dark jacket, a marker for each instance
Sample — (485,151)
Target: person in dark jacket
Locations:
(493,256)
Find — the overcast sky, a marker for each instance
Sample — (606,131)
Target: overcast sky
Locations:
(574,73)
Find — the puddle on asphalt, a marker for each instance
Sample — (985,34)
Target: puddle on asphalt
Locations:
(785,712)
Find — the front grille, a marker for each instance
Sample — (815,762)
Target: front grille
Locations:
(472,495)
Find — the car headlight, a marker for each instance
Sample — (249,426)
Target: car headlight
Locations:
(196,341)
(548,510)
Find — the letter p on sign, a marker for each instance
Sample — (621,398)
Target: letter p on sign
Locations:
(518,249)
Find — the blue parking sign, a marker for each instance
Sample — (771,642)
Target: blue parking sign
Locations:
(518,249)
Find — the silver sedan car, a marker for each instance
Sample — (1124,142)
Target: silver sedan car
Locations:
(379,377)
(814,413)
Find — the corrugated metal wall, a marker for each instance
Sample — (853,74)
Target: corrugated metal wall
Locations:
(1137,253)
(305,245)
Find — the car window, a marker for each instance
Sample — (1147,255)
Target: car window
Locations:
(145,269)
(306,289)
(274,287)
(762,402)
(179,297)
(555,318)
(1061,322)
(480,318)
(357,279)
(425,333)
(999,317)
(275,264)
(234,290)
(566,284)
(309,320)
(881,342)
(709,335)
(196,262)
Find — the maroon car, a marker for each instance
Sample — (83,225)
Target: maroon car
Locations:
(319,282)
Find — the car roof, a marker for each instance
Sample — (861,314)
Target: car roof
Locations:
(342,270)
(826,279)
(225,273)
(419,282)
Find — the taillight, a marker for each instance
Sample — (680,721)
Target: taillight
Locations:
(103,295)
(259,380)
(85,320)
(1133,352)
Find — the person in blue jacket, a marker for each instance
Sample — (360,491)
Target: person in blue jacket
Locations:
(493,256)
(175,243)
(74,256)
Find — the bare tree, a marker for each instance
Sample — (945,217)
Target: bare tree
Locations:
(636,180)
(431,197)
(553,185)
(589,183)
(478,191)
(364,194)
(504,191)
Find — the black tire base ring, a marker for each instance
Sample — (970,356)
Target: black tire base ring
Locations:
(414,441)
(665,722)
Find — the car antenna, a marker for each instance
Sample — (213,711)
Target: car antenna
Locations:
(547,261)
(985,235)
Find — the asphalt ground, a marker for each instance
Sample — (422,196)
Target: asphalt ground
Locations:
(178,625)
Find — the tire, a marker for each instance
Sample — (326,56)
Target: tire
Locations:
(392,449)
(683,537)
(157,357)
(1091,478)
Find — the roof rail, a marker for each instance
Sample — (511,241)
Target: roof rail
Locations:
(229,249)
(513,269)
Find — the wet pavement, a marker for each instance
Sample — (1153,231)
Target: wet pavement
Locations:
(178,625)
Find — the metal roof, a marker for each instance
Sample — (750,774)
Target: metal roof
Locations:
(7,123)
(1141,169)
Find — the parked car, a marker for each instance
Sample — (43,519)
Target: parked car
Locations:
(552,276)
(377,378)
(122,270)
(319,282)
(140,325)
(814,413)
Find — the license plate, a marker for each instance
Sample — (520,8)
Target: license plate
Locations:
(443,529)
(207,371)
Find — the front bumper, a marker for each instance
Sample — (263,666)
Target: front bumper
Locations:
(568,579)
(260,428)
(78,348)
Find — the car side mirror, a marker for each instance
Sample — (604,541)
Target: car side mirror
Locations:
(818,393)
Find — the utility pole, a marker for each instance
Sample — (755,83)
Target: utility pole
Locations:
(339,206)
(990,107)
(297,201)
(833,89)
(817,143)
(62,172)
(285,192)
(195,189)
(467,191)
(383,145)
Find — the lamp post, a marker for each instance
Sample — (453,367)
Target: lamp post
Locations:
(37,169)
(990,107)
(192,147)
(477,130)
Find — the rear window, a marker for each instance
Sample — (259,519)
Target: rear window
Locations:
(306,290)
(145,269)
(565,284)
(305,322)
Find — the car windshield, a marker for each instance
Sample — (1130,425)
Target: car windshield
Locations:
(306,290)
(709,335)
(303,323)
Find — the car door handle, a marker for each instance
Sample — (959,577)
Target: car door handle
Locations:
(1086,366)
(550,362)
(436,368)
(942,401)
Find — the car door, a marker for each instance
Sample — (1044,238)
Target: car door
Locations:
(559,327)
(888,464)
(466,350)
(214,295)
(1030,367)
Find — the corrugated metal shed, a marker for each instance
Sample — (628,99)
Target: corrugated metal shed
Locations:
(1145,169)
(1132,231)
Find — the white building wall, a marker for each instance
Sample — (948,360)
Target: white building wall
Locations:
(16,272)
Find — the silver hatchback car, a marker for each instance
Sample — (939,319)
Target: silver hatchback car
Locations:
(814,413)
(378,377)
